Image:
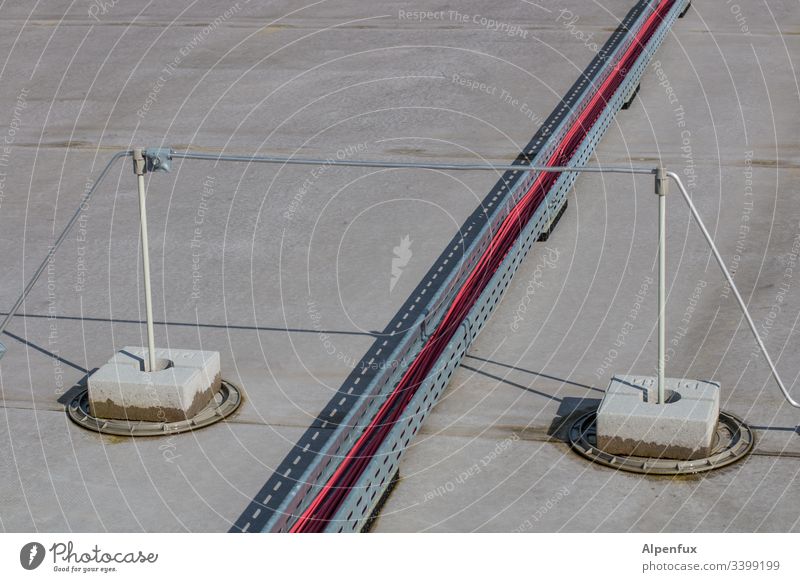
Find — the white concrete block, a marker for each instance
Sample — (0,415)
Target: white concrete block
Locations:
(630,422)
(184,382)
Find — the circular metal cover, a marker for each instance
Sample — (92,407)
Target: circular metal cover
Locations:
(224,403)
(734,441)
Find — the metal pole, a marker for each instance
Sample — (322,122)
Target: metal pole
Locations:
(661,192)
(139,168)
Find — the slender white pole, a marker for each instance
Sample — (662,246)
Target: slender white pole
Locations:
(661,192)
(139,169)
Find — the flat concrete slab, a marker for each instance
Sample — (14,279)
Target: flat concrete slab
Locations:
(291,276)
(543,359)
(631,421)
(287,272)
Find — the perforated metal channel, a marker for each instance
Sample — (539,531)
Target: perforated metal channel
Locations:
(359,504)
(317,453)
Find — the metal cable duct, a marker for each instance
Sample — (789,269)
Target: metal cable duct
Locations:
(317,453)
(325,504)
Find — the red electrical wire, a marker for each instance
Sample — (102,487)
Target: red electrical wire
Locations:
(329,498)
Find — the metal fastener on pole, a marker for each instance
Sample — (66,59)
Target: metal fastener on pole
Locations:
(139,168)
(729,278)
(661,192)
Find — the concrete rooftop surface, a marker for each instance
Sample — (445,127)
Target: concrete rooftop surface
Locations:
(288,271)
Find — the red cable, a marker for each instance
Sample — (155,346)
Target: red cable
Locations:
(329,498)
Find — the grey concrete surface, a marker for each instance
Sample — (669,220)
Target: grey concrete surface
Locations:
(287,271)
(717,110)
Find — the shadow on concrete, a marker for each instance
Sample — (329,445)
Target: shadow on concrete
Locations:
(79,387)
(510,383)
(570,410)
(47,353)
(533,373)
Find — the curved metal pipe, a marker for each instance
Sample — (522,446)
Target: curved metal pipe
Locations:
(736,294)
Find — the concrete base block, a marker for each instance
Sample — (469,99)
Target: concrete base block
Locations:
(183,383)
(630,422)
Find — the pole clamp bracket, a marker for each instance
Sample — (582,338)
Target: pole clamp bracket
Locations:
(139,162)
(661,181)
(158,159)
